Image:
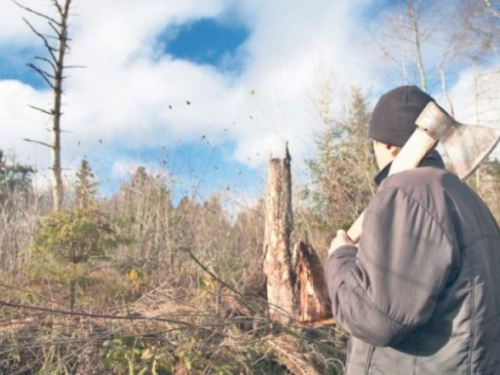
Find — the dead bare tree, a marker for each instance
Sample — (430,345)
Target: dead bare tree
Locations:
(52,72)
(479,22)
(404,40)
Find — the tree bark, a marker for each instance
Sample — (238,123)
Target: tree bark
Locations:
(277,255)
(310,286)
(57,183)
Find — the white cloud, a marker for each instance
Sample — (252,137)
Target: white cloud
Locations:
(19,121)
(124,93)
(132,95)
(14,29)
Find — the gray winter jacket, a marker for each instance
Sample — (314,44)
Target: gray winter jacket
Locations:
(421,292)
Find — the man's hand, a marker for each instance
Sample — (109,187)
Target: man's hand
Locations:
(340,239)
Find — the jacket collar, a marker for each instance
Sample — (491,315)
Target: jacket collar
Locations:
(433,159)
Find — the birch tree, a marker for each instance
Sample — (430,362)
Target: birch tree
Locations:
(404,40)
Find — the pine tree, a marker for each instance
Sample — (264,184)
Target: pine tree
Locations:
(85,188)
(15,179)
(343,168)
(67,241)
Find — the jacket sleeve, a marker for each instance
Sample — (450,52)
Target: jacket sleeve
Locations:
(389,284)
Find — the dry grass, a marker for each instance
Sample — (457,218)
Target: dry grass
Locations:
(180,302)
(187,331)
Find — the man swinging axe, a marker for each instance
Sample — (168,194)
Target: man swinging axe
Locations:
(420,291)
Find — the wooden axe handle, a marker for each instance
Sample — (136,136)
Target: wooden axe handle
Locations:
(410,156)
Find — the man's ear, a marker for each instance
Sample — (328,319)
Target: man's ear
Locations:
(393,149)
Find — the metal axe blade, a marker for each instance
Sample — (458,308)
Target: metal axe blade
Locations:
(466,145)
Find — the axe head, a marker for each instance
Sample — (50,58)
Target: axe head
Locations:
(466,145)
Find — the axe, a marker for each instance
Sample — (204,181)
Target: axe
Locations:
(466,146)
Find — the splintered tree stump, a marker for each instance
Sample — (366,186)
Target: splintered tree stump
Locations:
(296,287)
(277,255)
(310,286)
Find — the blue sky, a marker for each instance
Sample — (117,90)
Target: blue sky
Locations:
(214,86)
(13,65)
(208,41)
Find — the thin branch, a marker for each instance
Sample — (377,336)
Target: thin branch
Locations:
(417,42)
(47,61)
(492,9)
(91,315)
(50,113)
(35,12)
(385,52)
(444,88)
(214,276)
(56,31)
(222,282)
(75,67)
(38,142)
(42,73)
(48,47)
(59,8)
(30,292)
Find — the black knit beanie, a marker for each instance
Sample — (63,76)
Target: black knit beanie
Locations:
(394,116)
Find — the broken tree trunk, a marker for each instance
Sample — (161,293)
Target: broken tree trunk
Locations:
(310,286)
(296,288)
(277,254)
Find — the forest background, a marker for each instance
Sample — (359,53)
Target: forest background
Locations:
(158,270)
